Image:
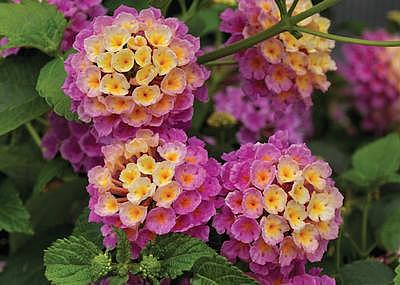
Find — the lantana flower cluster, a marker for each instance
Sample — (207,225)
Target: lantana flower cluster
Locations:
(281,205)
(75,141)
(259,117)
(282,67)
(79,14)
(374,75)
(135,70)
(154,184)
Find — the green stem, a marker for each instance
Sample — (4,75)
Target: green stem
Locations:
(291,9)
(44,122)
(221,63)
(286,24)
(354,244)
(338,248)
(348,39)
(33,134)
(364,224)
(182,4)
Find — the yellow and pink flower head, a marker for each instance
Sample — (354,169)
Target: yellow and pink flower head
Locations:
(135,70)
(157,183)
(282,67)
(281,203)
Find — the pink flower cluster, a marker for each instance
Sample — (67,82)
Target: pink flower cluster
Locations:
(292,275)
(259,117)
(135,70)
(79,13)
(374,75)
(76,143)
(281,205)
(282,67)
(154,184)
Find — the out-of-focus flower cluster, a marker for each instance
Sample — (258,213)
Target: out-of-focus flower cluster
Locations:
(374,74)
(259,117)
(152,185)
(282,68)
(79,13)
(76,143)
(281,205)
(135,70)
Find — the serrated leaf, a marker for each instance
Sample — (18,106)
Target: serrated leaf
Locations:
(90,231)
(13,215)
(52,169)
(68,261)
(218,271)
(32,24)
(396,279)
(366,272)
(177,253)
(49,83)
(160,4)
(124,254)
(390,232)
(19,101)
(118,280)
(378,160)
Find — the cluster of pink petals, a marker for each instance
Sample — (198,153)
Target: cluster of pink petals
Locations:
(135,70)
(281,205)
(374,75)
(259,117)
(282,67)
(79,13)
(76,143)
(154,184)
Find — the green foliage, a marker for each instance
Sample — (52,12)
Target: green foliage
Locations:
(396,279)
(218,271)
(390,231)
(49,83)
(366,272)
(177,253)
(75,261)
(90,231)
(118,280)
(53,169)
(32,24)
(160,4)
(13,215)
(123,247)
(19,102)
(376,163)
(205,22)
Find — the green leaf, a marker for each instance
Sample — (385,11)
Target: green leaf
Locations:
(111,5)
(90,231)
(123,247)
(205,22)
(160,4)
(25,266)
(218,271)
(49,83)
(13,215)
(378,160)
(177,253)
(396,279)
(21,161)
(70,261)
(52,169)
(390,232)
(355,177)
(366,272)
(118,280)
(32,24)
(19,102)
